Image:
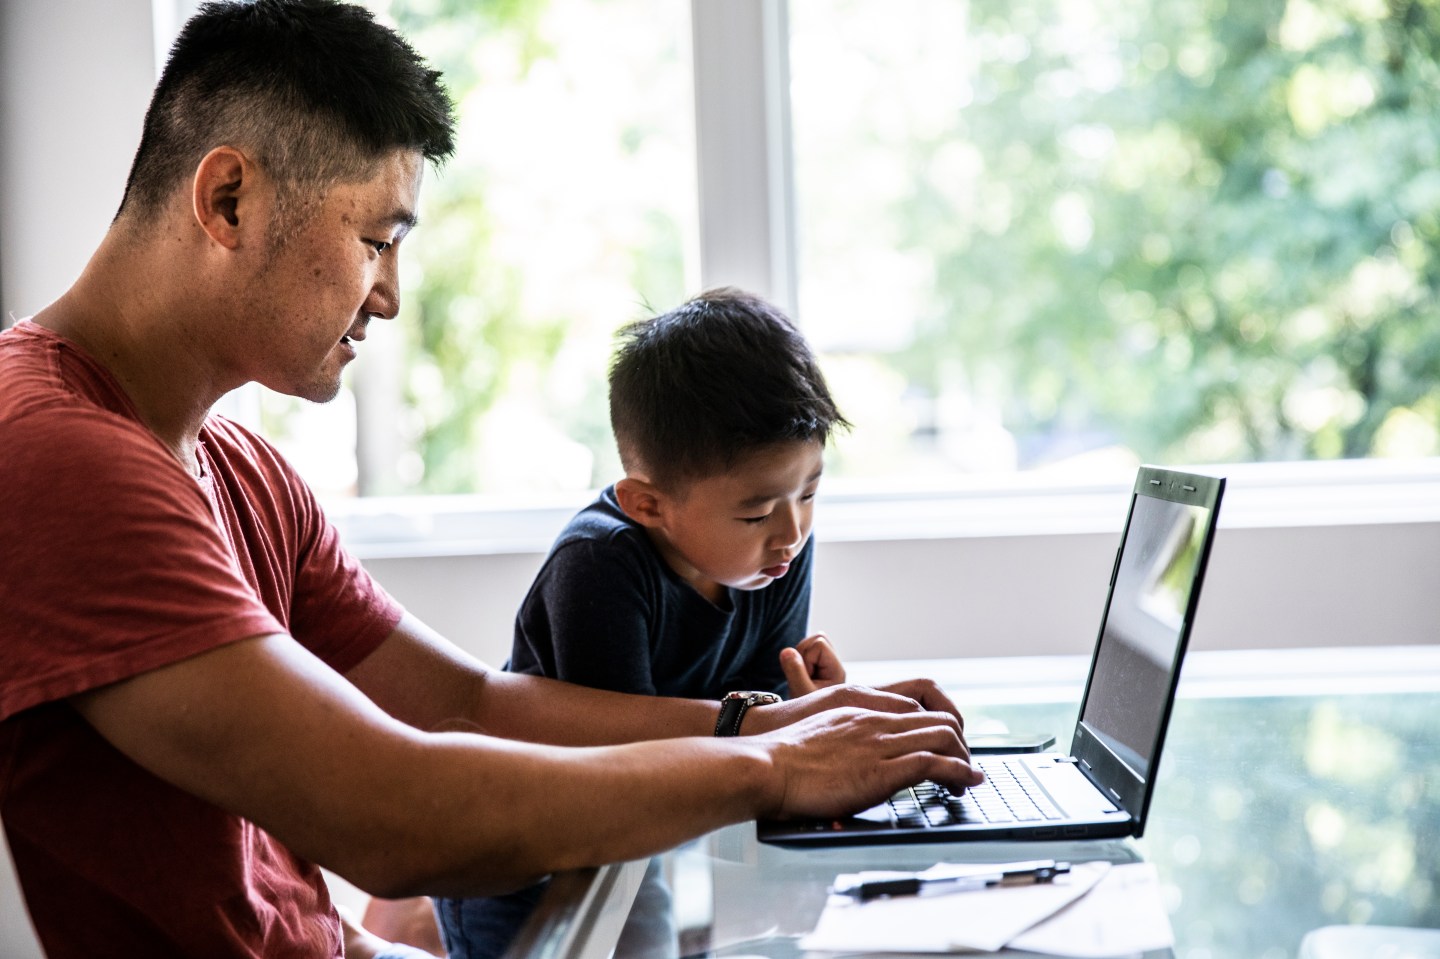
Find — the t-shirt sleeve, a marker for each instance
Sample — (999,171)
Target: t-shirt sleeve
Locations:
(338,611)
(111,563)
(587,619)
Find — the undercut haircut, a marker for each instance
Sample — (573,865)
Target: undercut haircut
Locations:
(315,91)
(726,374)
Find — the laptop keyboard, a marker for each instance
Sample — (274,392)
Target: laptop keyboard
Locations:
(1007,795)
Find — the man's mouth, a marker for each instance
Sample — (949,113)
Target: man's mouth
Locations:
(355,334)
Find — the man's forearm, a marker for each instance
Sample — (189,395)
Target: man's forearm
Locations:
(265,730)
(540,710)
(498,815)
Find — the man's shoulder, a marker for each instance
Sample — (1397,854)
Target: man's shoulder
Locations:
(74,436)
(43,371)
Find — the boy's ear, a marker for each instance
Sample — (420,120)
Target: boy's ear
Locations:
(223,179)
(641,501)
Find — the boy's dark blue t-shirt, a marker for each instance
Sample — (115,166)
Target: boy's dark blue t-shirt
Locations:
(607,611)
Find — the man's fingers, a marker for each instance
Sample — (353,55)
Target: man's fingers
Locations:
(929,733)
(929,695)
(954,774)
(848,759)
(880,700)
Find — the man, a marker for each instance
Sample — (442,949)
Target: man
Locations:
(203,695)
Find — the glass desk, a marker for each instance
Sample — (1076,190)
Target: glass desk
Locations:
(1297,789)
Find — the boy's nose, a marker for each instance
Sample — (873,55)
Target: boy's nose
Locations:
(790,533)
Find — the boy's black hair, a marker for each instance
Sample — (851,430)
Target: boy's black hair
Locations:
(725,374)
(315,90)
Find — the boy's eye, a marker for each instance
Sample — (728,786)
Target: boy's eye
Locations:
(380,245)
(754,520)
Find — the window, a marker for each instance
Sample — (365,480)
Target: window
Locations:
(1034,233)
(568,210)
(1026,235)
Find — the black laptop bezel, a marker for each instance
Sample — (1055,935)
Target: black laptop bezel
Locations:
(1103,766)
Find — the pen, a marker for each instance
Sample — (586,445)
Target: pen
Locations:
(915,885)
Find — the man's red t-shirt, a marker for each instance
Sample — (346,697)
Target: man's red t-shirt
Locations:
(115,561)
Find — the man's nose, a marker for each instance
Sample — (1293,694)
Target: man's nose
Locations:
(384,298)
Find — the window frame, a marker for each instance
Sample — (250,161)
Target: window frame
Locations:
(748,230)
(750,44)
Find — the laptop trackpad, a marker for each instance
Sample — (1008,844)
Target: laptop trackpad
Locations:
(1068,787)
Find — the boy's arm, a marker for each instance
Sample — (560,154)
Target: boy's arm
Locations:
(422,679)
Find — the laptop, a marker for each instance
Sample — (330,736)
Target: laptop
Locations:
(1102,788)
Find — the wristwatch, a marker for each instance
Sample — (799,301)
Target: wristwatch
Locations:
(733,706)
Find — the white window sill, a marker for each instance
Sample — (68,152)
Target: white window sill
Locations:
(1258,495)
(1231,673)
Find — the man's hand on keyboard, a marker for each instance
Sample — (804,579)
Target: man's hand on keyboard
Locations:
(929,695)
(844,760)
(907,696)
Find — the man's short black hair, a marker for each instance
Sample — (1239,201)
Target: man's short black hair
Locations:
(723,375)
(315,90)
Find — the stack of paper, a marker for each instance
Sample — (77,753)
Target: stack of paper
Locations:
(1096,910)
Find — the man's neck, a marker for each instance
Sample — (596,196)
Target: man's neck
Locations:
(139,338)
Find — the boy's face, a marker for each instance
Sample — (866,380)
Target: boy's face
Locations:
(741,528)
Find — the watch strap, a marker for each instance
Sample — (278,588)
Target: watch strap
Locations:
(734,705)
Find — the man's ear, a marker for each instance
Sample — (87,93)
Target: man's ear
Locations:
(641,500)
(223,181)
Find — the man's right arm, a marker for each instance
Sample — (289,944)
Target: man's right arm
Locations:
(263,729)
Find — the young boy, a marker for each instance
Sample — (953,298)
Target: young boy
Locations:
(691,575)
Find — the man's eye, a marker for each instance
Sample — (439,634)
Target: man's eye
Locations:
(380,245)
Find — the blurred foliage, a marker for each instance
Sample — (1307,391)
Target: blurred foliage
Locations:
(1204,230)
(484,318)
(1196,231)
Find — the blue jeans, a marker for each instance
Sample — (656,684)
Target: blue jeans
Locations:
(484,928)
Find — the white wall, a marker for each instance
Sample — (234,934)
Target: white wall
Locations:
(75,77)
(1267,587)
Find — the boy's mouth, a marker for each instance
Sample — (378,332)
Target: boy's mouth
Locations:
(775,572)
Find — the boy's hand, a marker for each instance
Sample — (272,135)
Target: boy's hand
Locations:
(811,664)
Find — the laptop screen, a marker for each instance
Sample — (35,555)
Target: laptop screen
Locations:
(1140,643)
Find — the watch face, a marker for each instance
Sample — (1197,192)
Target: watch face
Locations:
(752,697)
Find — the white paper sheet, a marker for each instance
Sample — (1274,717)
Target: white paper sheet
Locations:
(976,920)
(1122,915)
